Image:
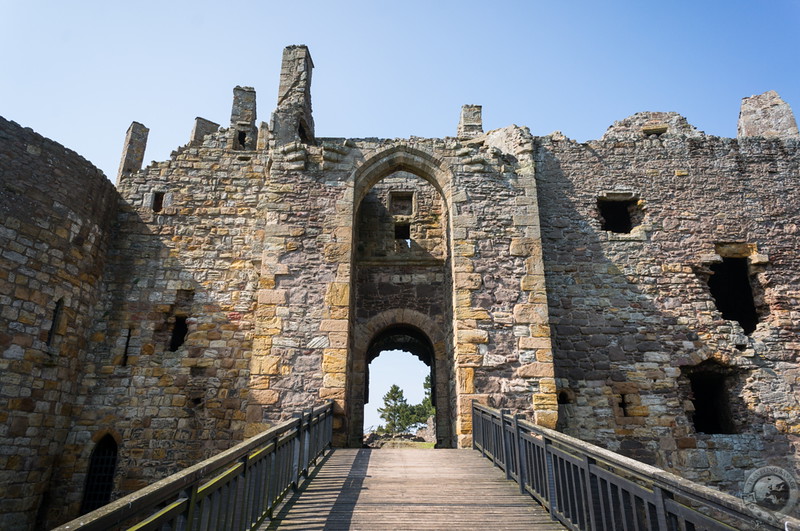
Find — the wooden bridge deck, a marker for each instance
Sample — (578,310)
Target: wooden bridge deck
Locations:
(409,489)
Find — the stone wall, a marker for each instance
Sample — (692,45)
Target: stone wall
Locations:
(632,313)
(258,271)
(56,210)
(186,252)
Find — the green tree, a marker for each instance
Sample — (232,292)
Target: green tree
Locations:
(396,411)
(400,416)
(424,409)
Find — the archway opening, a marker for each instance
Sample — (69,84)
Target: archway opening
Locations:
(390,371)
(402,352)
(401,286)
(100,476)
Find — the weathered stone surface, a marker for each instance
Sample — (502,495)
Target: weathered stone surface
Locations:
(250,278)
(766,115)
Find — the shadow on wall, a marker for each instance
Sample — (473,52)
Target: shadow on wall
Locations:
(633,324)
(167,370)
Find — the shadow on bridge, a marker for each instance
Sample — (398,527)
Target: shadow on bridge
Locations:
(327,499)
(408,489)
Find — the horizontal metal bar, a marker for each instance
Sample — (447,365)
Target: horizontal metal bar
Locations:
(147,500)
(633,476)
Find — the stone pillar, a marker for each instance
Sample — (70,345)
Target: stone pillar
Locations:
(133,150)
(471,122)
(243,119)
(766,115)
(202,127)
(292,120)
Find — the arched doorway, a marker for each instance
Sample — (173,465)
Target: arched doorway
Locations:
(394,346)
(100,476)
(401,286)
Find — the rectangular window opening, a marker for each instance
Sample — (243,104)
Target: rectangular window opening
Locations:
(618,216)
(241,140)
(158,201)
(730,287)
(179,331)
(402,203)
(712,412)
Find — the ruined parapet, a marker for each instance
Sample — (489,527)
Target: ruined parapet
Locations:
(471,122)
(292,120)
(202,127)
(766,115)
(133,151)
(243,118)
(651,124)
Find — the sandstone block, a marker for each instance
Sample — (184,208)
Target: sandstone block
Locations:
(334,380)
(338,294)
(473,336)
(535,370)
(264,396)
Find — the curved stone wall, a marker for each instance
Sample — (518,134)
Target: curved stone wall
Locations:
(56,210)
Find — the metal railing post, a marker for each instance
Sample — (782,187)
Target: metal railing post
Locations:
(307,441)
(551,480)
(296,450)
(522,461)
(505,441)
(475,427)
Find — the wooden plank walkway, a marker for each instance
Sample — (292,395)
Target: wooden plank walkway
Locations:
(409,489)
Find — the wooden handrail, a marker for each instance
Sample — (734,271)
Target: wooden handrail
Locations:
(235,489)
(586,487)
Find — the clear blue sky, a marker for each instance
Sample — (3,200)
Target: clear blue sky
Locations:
(80,71)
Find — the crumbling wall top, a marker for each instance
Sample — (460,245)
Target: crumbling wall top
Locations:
(648,123)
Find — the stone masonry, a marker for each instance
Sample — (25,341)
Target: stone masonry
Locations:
(639,291)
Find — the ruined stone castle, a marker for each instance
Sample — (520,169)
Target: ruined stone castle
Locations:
(641,291)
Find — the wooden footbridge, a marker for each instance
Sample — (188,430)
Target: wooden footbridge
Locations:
(517,476)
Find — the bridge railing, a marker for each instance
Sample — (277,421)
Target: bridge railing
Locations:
(234,490)
(588,488)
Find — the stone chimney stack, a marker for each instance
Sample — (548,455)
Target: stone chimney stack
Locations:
(766,115)
(201,129)
(133,150)
(471,122)
(243,118)
(293,119)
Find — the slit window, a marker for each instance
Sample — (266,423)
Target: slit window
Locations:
(124,361)
(179,331)
(100,477)
(241,139)
(158,201)
(618,216)
(732,292)
(56,321)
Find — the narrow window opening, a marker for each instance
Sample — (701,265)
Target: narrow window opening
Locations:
(125,352)
(56,321)
(615,216)
(158,201)
(179,331)
(302,134)
(402,231)
(563,398)
(241,139)
(712,412)
(733,295)
(100,476)
(624,402)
